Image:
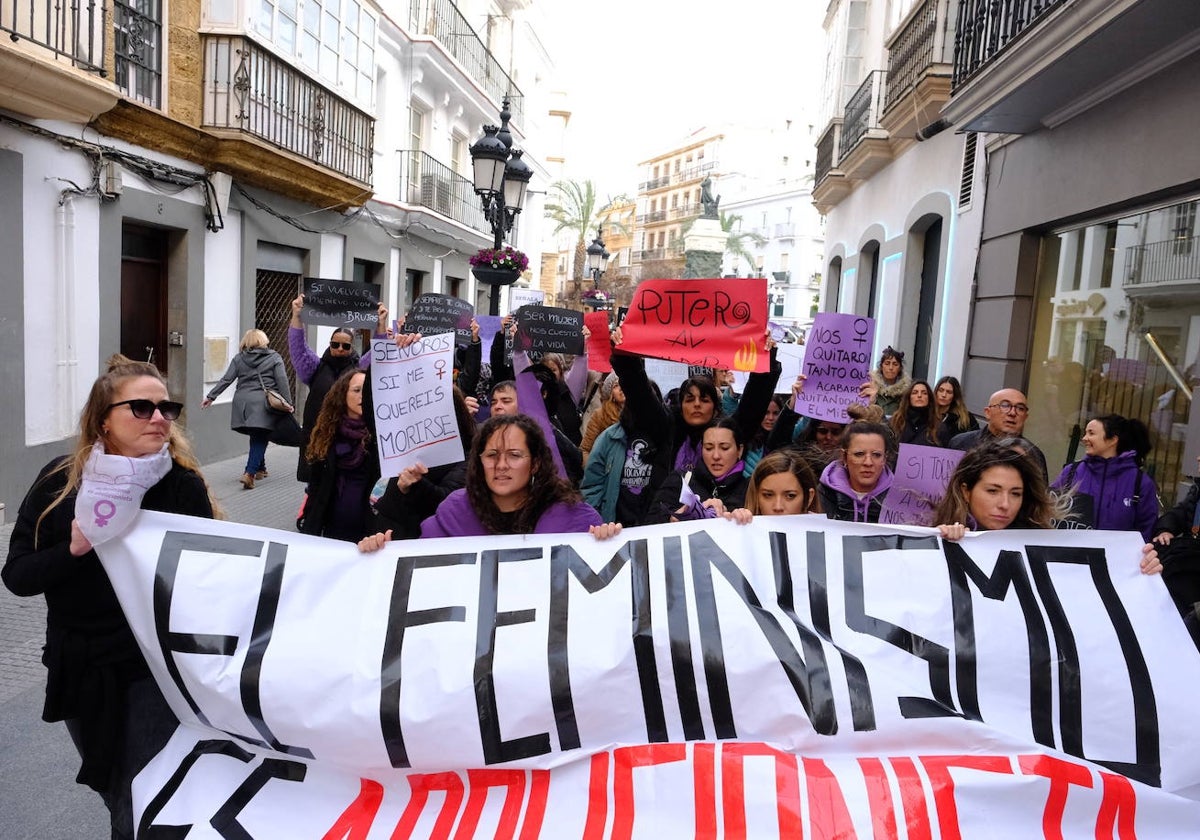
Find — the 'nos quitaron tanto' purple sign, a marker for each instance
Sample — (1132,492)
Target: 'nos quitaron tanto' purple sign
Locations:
(837,361)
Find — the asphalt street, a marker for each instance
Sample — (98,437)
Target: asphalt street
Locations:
(39,799)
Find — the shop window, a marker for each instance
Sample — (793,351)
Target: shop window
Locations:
(1117,331)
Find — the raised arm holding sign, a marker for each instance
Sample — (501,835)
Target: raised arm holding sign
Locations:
(837,361)
(549,329)
(435,313)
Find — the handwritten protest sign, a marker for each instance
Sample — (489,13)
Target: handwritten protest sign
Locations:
(666,375)
(714,323)
(791,361)
(341,303)
(922,474)
(435,313)
(412,389)
(1016,684)
(837,361)
(549,329)
(599,342)
(518,297)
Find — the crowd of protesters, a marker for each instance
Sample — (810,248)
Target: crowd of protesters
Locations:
(616,454)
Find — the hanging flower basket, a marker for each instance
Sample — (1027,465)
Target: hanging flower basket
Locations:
(498,266)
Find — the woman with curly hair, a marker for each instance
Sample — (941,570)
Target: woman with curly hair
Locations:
(916,420)
(512,487)
(996,486)
(888,381)
(344,463)
(97,682)
(952,408)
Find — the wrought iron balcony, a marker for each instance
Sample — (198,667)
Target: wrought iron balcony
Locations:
(862,111)
(687,211)
(1173,260)
(73,32)
(427,182)
(922,44)
(248,89)
(652,217)
(137,49)
(987,27)
(654,184)
(785,230)
(441,19)
(694,172)
(828,152)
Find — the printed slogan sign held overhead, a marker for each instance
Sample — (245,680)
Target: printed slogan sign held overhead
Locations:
(712,323)
(794,677)
(341,303)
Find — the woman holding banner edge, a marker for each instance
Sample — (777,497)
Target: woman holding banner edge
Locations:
(997,486)
(97,682)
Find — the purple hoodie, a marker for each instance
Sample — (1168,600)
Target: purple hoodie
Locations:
(456,518)
(839,501)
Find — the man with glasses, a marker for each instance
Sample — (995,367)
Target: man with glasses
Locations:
(1006,413)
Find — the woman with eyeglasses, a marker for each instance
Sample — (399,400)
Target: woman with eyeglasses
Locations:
(255,368)
(97,681)
(853,488)
(320,372)
(512,487)
(345,465)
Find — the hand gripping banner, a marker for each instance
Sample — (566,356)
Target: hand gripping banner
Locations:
(794,677)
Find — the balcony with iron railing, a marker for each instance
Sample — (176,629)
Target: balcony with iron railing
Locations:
(442,20)
(694,172)
(829,182)
(654,184)
(865,146)
(653,217)
(784,230)
(920,66)
(249,90)
(52,60)
(687,211)
(137,50)
(986,28)
(1172,265)
(427,182)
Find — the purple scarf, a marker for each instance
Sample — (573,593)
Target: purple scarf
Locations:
(349,447)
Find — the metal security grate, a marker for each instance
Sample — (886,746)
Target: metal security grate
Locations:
(274,292)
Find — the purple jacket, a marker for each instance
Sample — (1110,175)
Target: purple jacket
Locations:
(839,501)
(456,518)
(1112,482)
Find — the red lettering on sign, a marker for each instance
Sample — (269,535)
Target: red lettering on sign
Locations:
(938,768)
(912,799)
(733,793)
(1062,774)
(1117,808)
(827,811)
(355,822)
(422,784)
(625,760)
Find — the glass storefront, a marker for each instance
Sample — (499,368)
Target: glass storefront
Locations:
(1117,331)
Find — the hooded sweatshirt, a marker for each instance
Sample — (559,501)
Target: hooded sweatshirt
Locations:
(840,501)
(1120,501)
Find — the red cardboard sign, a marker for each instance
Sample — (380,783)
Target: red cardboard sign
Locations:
(599,343)
(711,322)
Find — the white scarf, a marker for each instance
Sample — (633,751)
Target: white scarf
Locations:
(111,490)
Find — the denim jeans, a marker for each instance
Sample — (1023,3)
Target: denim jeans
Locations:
(257,459)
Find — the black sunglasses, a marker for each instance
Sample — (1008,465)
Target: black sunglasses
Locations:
(144,409)
(344,345)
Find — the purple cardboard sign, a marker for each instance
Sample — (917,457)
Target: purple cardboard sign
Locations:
(837,361)
(922,473)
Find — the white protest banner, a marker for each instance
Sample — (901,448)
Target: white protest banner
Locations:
(413,393)
(837,360)
(795,677)
(665,374)
(518,297)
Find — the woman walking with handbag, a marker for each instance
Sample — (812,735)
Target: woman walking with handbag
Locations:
(258,370)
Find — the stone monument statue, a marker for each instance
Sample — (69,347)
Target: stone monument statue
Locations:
(706,199)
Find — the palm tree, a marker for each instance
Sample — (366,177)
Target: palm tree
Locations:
(735,238)
(574,207)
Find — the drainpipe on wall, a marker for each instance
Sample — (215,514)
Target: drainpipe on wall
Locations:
(65,322)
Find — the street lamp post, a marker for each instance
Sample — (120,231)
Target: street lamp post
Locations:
(500,180)
(597,259)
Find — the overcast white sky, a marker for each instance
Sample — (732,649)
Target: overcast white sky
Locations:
(642,74)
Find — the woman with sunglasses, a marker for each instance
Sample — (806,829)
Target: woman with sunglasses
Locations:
(320,372)
(255,368)
(97,681)
(345,464)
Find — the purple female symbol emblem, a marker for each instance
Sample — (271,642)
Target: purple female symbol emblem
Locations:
(104,510)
